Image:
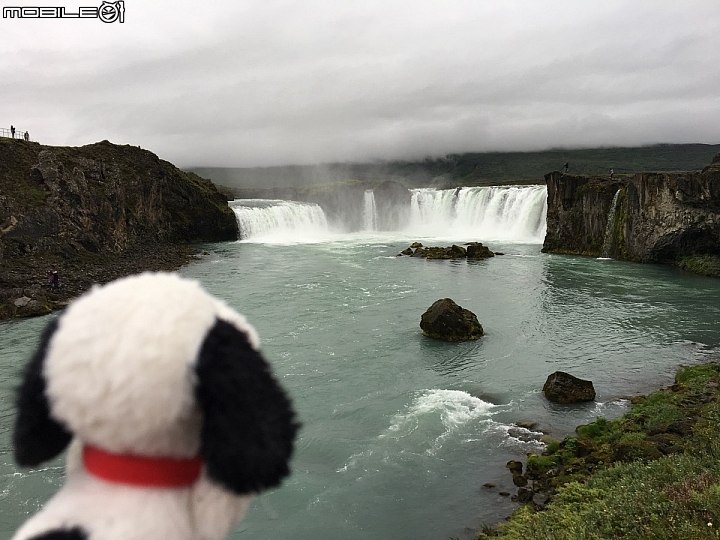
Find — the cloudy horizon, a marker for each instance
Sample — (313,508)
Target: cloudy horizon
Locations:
(276,83)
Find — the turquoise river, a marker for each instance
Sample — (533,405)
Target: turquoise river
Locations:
(400,432)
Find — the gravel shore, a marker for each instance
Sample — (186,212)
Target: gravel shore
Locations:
(24,289)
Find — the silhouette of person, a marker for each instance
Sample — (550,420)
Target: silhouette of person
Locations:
(26,136)
(612,173)
(12,131)
(567,167)
(54,281)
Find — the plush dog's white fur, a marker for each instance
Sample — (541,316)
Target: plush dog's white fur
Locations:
(109,511)
(120,375)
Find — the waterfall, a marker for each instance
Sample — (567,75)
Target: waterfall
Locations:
(370,217)
(281,221)
(489,213)
(495,213)
(607,241)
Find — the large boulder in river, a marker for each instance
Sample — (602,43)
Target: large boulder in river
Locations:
(562,387)
(475,250)
(450,322)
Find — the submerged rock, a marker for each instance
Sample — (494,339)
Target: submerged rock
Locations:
(450,322)
(561,387)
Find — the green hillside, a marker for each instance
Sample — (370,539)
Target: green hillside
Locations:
(474,168)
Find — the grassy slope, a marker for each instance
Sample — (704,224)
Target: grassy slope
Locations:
(476,168)
(655,473)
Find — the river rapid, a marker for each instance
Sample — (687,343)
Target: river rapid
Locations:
(400,432)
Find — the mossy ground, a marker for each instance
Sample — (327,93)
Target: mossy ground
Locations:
(705,265)
(655,473)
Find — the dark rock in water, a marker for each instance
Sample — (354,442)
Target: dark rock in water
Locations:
(450,322)
(488,485)
(437,253)
(562,387)
(475,250)
(515,467)
(452,252)
(524,434)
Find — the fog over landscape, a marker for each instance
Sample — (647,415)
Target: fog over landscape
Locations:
(257,83)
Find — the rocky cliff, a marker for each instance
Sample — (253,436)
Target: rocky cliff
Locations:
(648,217)
(96,203)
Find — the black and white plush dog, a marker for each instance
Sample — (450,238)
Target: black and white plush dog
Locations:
(172,416)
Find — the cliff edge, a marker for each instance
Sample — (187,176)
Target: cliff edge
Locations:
(93,213)
(647,217)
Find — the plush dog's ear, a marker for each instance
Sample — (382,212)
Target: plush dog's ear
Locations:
(249,426)
(37,437)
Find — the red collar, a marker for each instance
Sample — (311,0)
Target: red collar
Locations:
(139,470)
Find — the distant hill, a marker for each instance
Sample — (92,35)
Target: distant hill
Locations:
(474,168)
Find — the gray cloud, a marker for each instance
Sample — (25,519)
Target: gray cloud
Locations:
(260,83)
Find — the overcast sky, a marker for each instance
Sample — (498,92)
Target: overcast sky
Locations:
(252,83)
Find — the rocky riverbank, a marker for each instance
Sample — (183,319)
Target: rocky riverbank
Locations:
(24,289)
(654,473)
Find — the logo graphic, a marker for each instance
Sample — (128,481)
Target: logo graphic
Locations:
(112,11)
(108,12)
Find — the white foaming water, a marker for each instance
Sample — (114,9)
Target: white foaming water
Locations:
(266,220)
(515,214)
(607,241)
(494,213)
(453,409)
(370,217)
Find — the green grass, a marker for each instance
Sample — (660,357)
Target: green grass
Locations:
(671,498)
(706,265)
(650,495)
(476,168)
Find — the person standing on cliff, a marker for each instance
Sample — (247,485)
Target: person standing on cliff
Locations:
(612,173)
(12,131)
(54,282)
(26,136)
(567,167)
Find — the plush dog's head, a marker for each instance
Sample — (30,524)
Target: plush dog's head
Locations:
(152,365)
